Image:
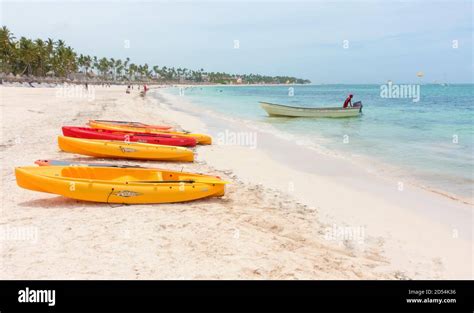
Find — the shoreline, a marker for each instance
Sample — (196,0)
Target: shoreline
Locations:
(261,229)
(435,205)
(52,83)
(372,165)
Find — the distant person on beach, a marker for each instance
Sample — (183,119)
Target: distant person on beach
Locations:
(87,86)
(128,89)
(348,102)
(145,88)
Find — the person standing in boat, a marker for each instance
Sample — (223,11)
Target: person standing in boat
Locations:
(348,102)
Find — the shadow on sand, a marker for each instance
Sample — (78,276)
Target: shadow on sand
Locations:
(58,202)
(66,203)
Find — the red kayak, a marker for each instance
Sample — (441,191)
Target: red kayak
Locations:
(158,139)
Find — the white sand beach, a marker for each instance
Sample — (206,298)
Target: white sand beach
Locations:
(300,215)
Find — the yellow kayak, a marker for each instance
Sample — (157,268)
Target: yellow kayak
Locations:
(119,185)
(121,149)
(200,138)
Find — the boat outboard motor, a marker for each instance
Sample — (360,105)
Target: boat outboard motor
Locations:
(357,104)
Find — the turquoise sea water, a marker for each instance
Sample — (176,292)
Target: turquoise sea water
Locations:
(431,140)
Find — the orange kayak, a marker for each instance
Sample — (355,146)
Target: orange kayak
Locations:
(144,128)
(127,150)
(119,185)
(134,124)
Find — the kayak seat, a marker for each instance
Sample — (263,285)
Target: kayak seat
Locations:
(83,172)
(116,174)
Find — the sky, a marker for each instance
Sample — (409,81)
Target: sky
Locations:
(350,41)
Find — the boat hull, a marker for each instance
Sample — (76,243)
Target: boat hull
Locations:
(104,134)
(72,163)
(119,185)
(138,124)
(278,110)
(120,149)
(201,139)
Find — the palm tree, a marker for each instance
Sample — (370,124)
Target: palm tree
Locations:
(118,68)
(104,67)
(49,51)
(126,67)
(87,64)
(7,49)
(112,68)
(81,62)
(156,70)
(95,64)
(69,61)
(145,71)
(131,71)
(27,55)
(41,57)
(164,72)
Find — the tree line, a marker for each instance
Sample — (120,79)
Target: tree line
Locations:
(42,58)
